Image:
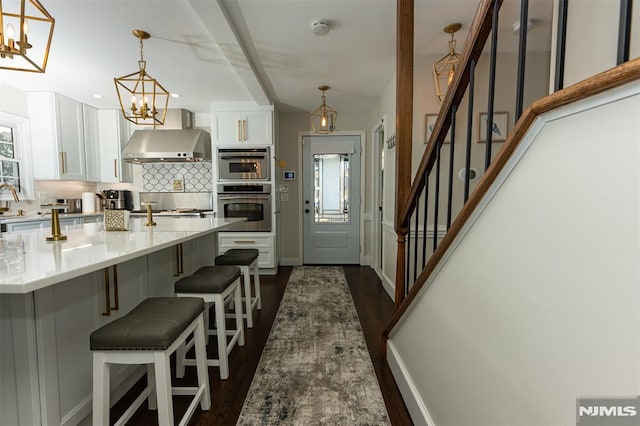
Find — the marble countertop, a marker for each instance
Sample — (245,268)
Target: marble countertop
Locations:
(4,218)
(37,263)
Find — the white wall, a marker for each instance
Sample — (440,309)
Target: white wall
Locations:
(538,304)
(592,37)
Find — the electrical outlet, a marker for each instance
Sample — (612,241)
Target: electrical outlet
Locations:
(284,196)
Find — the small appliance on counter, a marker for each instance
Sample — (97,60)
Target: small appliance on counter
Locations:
(74,205)
(117,199)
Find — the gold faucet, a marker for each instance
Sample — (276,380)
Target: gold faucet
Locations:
(13,192)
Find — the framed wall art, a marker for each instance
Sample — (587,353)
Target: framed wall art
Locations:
(498,128)
(430,122)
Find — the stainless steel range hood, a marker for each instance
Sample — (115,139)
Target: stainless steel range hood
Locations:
(174,143)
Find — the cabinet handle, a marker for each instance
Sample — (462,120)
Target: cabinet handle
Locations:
(116,295)
(240,130)
(244,130)
(244,242)
(63,165)
(115,167)
(107,295)
(179,264)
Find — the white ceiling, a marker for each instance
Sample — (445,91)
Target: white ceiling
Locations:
(249,50)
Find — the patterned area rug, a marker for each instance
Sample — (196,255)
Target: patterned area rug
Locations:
(315,368)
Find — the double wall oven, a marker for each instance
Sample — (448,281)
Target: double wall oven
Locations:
(243,189)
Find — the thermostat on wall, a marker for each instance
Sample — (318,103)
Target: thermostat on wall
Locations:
(289,175)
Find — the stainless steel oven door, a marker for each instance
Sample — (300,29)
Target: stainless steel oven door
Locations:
(243,163)
(255,207)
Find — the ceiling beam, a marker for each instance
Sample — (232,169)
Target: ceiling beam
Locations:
(216,18)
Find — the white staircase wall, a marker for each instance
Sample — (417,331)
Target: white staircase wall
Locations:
(538,301)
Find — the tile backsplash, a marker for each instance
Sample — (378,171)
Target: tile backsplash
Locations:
(159,177)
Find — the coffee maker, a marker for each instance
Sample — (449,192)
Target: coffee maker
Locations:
(117,199)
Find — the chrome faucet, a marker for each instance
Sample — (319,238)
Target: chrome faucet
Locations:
(12,189)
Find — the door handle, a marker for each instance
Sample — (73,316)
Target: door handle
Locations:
(116,295)
(115,167)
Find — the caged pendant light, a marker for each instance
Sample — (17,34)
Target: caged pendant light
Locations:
(445,68)
(20,20)
(324,118)
(148,99)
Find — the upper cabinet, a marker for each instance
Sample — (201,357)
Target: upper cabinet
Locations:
(91,142)
(57,134)
(114,134)
(242,127)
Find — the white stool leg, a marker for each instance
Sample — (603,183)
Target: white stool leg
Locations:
(201,363)
(221,332)
(237,296)
(246,277)
(256,283)
(163,388)
(181,354)
(151,381)
(207,306)
(101,390)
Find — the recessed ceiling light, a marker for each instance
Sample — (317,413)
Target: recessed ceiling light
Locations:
(97,95)
(175,95)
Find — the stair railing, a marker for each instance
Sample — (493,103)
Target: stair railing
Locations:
(420,204)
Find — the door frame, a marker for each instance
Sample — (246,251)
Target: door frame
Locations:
(363,145)
(378,133)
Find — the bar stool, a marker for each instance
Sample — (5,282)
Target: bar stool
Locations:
(149,334)
(247,261)
(217,286)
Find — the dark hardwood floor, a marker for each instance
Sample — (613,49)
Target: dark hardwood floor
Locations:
(374,308)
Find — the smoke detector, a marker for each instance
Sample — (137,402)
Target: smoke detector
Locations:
(320,27)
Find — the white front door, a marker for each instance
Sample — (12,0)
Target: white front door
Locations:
(331,199)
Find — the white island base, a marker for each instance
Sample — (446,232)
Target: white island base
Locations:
(55,294)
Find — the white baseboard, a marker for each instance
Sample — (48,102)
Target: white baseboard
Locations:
(417,410)
(388,285)
(365,260)
(290,261)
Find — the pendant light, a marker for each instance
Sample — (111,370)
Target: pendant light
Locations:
(445,68)
(324,118)
(148,100)
(19,20)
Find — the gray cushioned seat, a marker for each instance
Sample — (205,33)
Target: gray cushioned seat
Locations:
(152,325)
(237,257)
(208,279)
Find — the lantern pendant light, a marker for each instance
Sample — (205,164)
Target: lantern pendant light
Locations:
(18,19)
(148,99)
(324,118)
(445,68)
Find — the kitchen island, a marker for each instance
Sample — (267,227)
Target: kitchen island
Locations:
(54,294)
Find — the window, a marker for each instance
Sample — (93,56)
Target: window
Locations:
(15,156)
(9,165)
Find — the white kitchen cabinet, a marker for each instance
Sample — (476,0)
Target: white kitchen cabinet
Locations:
(114,135)
(262,241)
(245,128)
(91,142)
(57,135)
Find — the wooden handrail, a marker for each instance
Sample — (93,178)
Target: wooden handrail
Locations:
(607,80)
(474,44)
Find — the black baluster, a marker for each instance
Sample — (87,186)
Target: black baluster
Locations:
(522,56)
(452,144)
(624,31)
(561,44)
(424,220)
(415,250)
(436,198)
(467,164)
(492,84)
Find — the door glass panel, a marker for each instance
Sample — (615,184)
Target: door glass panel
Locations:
(331,188)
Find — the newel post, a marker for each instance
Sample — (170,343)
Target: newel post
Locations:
(404,131)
